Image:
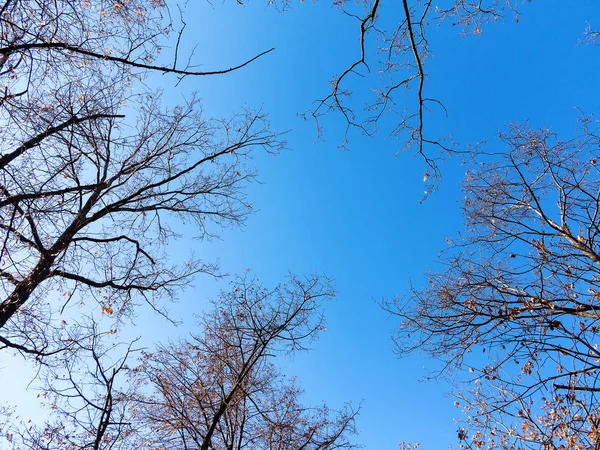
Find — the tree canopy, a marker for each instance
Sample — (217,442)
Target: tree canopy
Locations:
(101,174)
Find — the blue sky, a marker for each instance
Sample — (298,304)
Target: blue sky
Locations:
(356,215)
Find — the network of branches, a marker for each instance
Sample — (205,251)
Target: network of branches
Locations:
(390,71)
(95,170)
(96,176)
(219,389)
(516,307)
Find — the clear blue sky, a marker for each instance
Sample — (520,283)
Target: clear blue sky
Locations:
(356,215)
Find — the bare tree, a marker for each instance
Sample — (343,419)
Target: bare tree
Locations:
(84,393)
(95,177)
(515,311)
(94,171)
(102,235)
(220,389)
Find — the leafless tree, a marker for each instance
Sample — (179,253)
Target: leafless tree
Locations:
(218,390)
(221,389)
(94,171)
(514,313)
(83,394)
(95,177)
